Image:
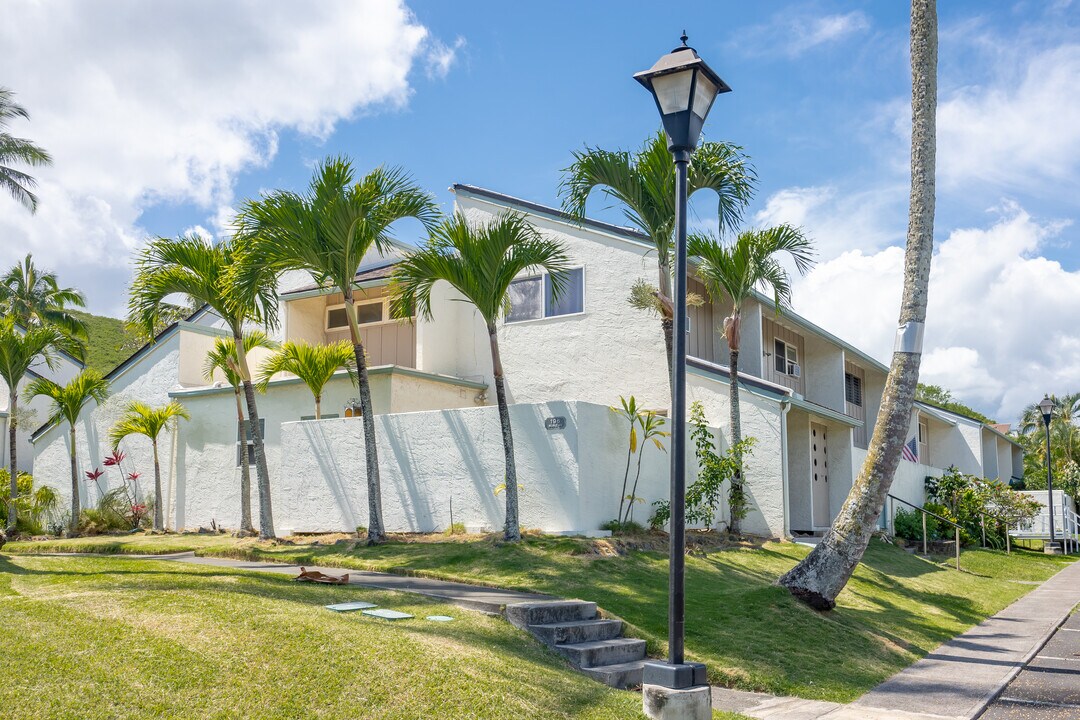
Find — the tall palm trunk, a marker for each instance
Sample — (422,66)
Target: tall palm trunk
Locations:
(820,577)
(512,528)
(13,457)
(159,522)
(318,401)
(376,531)
(266,511)
(245,468)
(75,510)
(732,329)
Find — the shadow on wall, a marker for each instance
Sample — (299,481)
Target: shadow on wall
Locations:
(331,472)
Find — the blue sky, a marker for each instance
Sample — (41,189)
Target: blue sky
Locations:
(163,119)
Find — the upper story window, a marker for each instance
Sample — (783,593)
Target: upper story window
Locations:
(853,389)
(369,312)
(786,358)
(532,298)
(924,442)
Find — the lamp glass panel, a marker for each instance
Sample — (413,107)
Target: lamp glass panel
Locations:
(673,91)
(704,94)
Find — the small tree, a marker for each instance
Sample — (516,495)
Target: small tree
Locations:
(223,358)
(651,426)
(480,263)
(68,402)
(314,364)
(142,419)
(629,412)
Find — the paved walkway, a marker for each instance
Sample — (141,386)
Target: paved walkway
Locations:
(472,597)
(960,678)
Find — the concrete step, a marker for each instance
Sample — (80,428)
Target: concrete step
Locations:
(603,652)
(621,675)
(522,615)
(577,631)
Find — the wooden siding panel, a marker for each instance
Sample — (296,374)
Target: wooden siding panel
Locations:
(700,342)
(771,331)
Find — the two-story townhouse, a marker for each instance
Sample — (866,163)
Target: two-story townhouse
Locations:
(808,398)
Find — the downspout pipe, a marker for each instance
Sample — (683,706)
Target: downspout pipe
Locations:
(785,408)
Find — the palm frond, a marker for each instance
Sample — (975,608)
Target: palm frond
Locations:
(142,419)
(69,400)
(316,365)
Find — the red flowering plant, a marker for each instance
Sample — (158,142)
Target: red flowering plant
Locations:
(96,477)
(138,514)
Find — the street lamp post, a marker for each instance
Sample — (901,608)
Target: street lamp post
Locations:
(684,88)
(1047,408)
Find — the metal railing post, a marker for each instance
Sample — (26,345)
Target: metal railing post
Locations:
(924,538)
(982,524)
(957,548)
(1008,543)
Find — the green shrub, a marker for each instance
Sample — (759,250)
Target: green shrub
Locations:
(907,524)
(34,507)
(623,528)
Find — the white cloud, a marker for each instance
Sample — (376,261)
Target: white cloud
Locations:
(1022,130)
(795,34)
(837,222)
(441,57)
(168,101)
(1001,325)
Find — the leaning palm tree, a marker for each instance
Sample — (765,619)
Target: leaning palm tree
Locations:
(733,271)
(191,266)
(20,350)
(222,359)
(18,150)
(643,183)
(480,263)
(36,298)
(822,574)
(68,402)
(314,364)
(142,419)
(328,231)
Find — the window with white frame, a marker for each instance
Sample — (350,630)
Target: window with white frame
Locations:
(533,298)
(924,442)
(785,358)
(367,313)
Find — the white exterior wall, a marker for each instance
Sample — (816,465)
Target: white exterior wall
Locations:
(989,454)
(1004,459)
(823,370)
(148,380)
(571,478)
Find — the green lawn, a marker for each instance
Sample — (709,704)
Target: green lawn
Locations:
(751,633)
(122,638)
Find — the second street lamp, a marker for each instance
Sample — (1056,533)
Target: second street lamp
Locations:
(684,88)
(1047,409)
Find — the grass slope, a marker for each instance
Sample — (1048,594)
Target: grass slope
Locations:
(751,633)
(122,638)
(107,337)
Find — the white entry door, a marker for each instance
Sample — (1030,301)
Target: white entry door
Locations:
(819,472)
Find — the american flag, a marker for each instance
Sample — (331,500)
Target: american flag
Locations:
(910,451)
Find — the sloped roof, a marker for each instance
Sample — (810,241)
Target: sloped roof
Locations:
(381,272)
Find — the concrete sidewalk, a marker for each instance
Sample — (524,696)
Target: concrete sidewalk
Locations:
(472,597)
(960,678)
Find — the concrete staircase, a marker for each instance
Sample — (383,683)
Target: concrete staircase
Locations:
(593,645)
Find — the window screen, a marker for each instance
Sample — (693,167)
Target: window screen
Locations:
(853,389)
(369,313)
(572,298)
(525,299)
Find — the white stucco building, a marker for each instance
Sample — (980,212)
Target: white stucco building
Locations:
(808,398)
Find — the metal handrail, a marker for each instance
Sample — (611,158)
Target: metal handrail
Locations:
(926,512)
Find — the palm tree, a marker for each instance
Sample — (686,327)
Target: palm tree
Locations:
(480,263)
(142,419)
(822,574)
(327,232)
(734,271)
(36,298)
(643,183)
(68,402)
(21,349)
(222,359)
(190,266)
(314,364)
(18,150)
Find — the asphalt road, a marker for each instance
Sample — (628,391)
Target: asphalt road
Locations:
(1049,687)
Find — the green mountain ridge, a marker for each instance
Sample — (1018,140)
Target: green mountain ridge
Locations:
(110,342)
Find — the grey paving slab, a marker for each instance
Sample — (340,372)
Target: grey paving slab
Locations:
(959,678)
